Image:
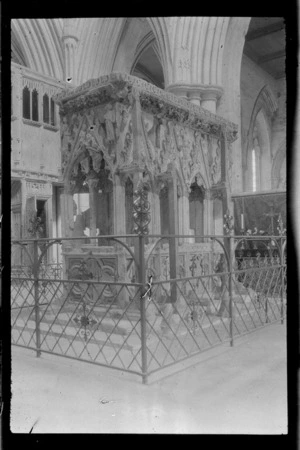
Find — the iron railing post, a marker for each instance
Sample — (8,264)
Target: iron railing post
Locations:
(228,242)
(143,308)
(141,218)
(36,298)
(230,289)
(282,279)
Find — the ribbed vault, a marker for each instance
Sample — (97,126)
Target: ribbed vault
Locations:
(197,48)
(191,49)
(37,42)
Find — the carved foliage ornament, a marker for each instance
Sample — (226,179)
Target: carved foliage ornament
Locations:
(176,114)
(104,132)
(118,86)
(173,145)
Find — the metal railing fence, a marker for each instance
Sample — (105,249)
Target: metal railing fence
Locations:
(130,308)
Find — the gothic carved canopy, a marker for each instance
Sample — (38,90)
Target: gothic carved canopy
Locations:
(129,123)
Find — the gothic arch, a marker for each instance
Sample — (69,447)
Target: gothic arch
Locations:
(260,127)
(266,102)
(260,141)
(147,41)
(160,27)
(198,178)
(136,37)
(147,50)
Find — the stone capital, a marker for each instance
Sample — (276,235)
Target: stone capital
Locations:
(195,90)
(69,30)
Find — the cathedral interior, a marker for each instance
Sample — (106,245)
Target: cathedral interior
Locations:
(226,71)
(152,127)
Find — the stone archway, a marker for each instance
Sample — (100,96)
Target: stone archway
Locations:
(259,135)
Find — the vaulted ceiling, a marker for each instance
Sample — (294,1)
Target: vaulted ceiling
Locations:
(161,50)
(265,44)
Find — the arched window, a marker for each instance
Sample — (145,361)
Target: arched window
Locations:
(35,105)
(48,110)
(45,108)
(260,138)
(52,112)
(26,103)
(259,156)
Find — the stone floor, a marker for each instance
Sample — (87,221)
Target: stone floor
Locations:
(239,390)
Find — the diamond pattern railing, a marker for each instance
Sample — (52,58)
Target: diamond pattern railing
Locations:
(142,334)
(93,332)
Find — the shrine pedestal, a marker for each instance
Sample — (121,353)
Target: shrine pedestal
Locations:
(102,264)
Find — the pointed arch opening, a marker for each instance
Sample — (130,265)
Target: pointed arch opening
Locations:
(147,64)
(259,156)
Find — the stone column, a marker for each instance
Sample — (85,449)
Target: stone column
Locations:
(67,219)
(119,228)
(23,207)
(196,100)
(194,96)
(202,95)
(173,229)
(119,206)
(180,218)
(209,99)
(92,183)
(207,211)
(186,216)
(179,90)
(70,40)
(16,119)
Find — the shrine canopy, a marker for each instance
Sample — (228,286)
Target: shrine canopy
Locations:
(263,212)
(134,126)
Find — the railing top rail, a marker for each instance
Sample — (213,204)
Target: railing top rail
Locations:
(78,280)
(167,236)
(80,238)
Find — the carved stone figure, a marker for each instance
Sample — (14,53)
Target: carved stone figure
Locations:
(85,165)
(216,164)
(229,162)
(110,119)
(97,160)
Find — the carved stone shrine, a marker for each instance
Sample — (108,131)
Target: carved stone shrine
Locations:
(116,131)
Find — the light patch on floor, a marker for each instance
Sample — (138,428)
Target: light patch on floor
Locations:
(241,390)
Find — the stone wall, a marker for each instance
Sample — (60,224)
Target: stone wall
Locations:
(253,80)
(35,144)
